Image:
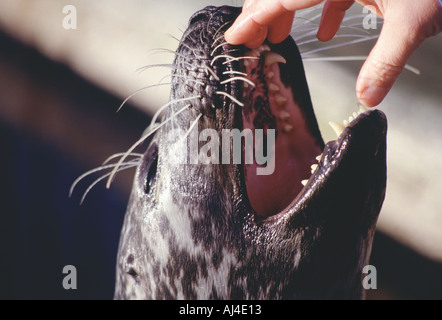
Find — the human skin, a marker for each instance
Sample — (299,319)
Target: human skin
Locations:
(407,23)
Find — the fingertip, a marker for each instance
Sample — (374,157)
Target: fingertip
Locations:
(332,15)
(324,34)
(372,96)
(246,31)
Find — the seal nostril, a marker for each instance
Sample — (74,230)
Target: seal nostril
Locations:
(198,17)
(130,259)
(150,179)
(229,10)
(132,273)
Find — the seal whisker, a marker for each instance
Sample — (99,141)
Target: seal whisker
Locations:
(356,58)
(120,154)
(231,58)
(305,34)
(160,65)
(185,77)
(313,40)
(92,171)
(165,50)
(220,45)
(239,78)
(161,109)
(305,22)
(230,97)
(192,126)
(212,73)
(339,45)
(235,72)
(138,91)
(201,36)
(93,184)
(219,29)
(147,135)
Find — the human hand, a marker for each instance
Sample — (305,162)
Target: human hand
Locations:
(407,23)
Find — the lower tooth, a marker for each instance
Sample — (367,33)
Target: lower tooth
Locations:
(280,100)
(362,109)
(314,167)
(287,128)
(338,128)
(273,87)
(318,158)
(304,182)
(346,123)
(284,115)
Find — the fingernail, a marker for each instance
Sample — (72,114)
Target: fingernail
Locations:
(372,96)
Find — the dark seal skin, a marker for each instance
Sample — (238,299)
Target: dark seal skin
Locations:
(217,231)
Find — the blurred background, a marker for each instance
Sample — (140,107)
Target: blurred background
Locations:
(59,92)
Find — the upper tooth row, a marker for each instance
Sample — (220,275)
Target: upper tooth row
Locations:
(313,169)
(338,128)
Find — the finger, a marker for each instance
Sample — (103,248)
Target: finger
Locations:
(332,16)
(280,28)
(386,61)
(261,14)
(246,30)
(258,39)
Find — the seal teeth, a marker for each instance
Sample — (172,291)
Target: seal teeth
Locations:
(284,115)
(318,158)
(273,87)
(272,58)
(304,182)
(362,109)
(346,123)
(314,167)
(338,128)
(281,101)
(287,128)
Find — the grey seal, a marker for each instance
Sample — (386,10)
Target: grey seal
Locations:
(197,230)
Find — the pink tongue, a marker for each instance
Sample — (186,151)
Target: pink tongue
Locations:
(294,152)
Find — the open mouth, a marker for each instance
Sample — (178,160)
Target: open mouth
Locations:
(277,98)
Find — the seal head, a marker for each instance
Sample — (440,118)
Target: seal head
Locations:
(286,216)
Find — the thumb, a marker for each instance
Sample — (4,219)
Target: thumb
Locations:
(386,61)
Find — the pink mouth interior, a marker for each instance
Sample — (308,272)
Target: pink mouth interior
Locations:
(295,148)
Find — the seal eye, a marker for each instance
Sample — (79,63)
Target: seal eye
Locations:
(151,176)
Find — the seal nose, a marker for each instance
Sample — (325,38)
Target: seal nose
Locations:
(200,15)
(209,11)
(230,10)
